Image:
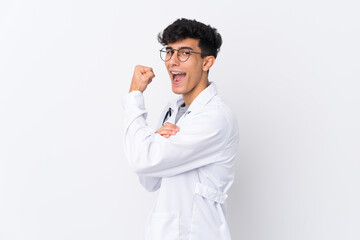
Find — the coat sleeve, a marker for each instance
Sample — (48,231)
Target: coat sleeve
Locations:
(198,143)
(152,184)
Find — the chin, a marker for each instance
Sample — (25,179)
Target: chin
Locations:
(176,90)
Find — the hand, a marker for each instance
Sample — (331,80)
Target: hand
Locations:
(142,78)
(168,129)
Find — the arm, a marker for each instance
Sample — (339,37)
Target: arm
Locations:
(141,79)
(195,145)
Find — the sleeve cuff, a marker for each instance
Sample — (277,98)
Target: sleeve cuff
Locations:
(134,98)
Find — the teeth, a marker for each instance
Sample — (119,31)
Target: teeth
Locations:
(177,73)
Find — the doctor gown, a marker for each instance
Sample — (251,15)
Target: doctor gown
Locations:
(192,170)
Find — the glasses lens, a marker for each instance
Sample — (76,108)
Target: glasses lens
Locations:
(165,54)
(184,54)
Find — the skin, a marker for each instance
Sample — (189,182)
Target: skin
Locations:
(195,81)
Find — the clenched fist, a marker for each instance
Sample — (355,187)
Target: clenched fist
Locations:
(142,78)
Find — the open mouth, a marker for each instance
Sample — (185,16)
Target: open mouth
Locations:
(177,77)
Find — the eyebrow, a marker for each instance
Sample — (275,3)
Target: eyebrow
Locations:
(180,48)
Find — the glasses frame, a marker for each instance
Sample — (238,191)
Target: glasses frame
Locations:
(178,55)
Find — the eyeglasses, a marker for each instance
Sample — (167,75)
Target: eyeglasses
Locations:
(183,53)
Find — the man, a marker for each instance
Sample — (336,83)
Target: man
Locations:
(190,158)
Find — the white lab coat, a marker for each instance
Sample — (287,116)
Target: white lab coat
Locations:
(193,169)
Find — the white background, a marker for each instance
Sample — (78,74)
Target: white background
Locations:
(289,70)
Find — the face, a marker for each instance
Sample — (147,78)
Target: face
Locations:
(188,78)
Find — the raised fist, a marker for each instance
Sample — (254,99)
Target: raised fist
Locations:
(142,78)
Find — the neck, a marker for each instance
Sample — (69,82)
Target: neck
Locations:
(190,96)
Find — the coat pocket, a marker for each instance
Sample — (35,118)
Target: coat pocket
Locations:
(165,226)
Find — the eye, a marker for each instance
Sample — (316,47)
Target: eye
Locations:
(185,52)
(169,51)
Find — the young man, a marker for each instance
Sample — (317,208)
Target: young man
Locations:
(190,158)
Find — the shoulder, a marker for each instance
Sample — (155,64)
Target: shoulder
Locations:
(216,114)
(219,109)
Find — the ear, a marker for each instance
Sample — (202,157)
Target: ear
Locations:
(208,62)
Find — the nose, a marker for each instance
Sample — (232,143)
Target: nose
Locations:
(174,61)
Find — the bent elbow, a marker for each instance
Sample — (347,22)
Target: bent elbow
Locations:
(137,168)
